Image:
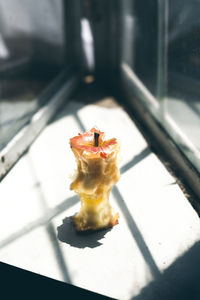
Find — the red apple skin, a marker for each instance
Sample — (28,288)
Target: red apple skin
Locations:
(85,142)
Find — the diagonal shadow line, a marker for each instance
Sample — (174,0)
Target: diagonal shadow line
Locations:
(58,253)
(136,233)
(136,159)
(80,124)
(50,214)
(130,221)
(179,281)
(49,226)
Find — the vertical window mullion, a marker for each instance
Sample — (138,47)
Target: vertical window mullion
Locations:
(162,56)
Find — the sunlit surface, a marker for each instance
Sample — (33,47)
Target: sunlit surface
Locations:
(156,226)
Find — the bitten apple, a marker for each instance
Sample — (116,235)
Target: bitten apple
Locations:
(97,172)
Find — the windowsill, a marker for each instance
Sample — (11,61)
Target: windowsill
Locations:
(158,228)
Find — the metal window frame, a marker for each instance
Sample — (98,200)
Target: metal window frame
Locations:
(150,110)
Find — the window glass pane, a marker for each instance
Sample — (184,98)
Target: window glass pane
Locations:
(20,98)
(32,53)
(140,40)
(183,93)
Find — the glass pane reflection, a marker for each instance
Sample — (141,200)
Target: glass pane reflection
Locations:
(140,40)
(20,97)
(183,96)
(32,52)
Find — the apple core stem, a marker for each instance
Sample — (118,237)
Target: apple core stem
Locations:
(96,139)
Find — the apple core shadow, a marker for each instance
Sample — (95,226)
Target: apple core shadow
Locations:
(66,233)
